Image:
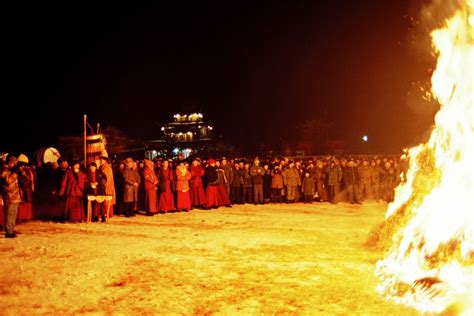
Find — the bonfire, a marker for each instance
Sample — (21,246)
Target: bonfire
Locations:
(430,265)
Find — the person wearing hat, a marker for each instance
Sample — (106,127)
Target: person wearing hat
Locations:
(27,185)
(210,173)
(196,188)
(72,185)
(11,195)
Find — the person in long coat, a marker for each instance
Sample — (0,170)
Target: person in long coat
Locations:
(131,180)
(277,185)
(106,168)
(210,173)
(167,187)
(221,185)
(150,186)
(95,185)
(320,182)
(182,186)
(27,186)
(72,185)
(292,180)
(198,197)
(267,184)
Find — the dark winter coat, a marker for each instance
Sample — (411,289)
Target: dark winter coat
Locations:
(307,187)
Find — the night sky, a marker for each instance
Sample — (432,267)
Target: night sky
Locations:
(255,70)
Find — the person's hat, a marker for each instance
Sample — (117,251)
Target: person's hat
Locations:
(22,158)
(75,161)
(211,161)
(12,159)
(128,160)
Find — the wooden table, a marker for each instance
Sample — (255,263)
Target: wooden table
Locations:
(100,199)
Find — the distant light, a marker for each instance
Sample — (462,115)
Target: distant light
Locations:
(189,133)
(154,152)
(162,128)
(365,138)
(176,150)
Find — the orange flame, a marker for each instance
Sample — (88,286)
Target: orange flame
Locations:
(431,264)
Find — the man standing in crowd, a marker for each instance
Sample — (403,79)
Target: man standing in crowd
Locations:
(211,189)
(350,177)
(292,180)
(106,168)
(334,176)
(131,180)
(236,182)
(256,173)
(365,191)
(196,188)
(11,195)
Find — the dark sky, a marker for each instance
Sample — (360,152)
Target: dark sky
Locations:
(255,70)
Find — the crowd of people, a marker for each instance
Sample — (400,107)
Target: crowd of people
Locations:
(162,185)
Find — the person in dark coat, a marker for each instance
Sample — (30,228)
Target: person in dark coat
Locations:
(131,180)
(256,173)
(72,186)
(267,183)
(210,173)
(11,195)
(27,186)
(95,184)
(119,186)
(236,185)
(277,185)
(320,181)
(334,178)
(307,188)
(350,177)
(247,183)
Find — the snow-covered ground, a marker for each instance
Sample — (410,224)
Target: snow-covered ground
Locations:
(266,259)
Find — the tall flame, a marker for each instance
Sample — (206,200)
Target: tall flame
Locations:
(431,264)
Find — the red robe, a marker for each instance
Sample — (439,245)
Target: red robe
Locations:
(150,190)
(182,186)
(73,186)
(198,197)
(166,196)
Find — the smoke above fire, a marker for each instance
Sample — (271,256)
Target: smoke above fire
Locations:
(431,264)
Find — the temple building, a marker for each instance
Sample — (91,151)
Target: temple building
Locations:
(185,135)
